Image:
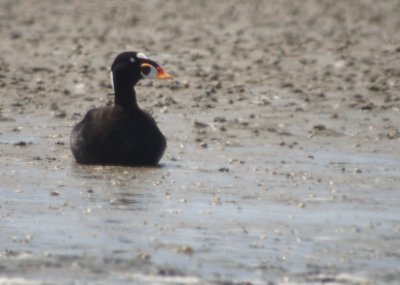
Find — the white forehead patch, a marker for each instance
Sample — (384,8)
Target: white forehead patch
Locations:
(141,55)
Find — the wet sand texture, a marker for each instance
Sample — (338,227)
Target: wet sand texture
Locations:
(283,134)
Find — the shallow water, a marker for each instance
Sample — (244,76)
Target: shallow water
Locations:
(250,214)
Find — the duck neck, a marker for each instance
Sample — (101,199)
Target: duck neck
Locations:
(125,95)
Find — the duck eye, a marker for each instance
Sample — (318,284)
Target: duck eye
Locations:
(132,59)
(146,69)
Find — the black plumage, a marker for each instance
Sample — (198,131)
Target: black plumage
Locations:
(122,134)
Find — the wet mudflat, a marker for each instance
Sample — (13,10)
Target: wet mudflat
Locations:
(283,133)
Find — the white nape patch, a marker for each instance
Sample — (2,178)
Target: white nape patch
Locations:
(141,55)
(112,80)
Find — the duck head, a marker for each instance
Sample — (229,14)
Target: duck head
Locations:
(130,67)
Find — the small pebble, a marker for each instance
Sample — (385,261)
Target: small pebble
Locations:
(54,193)
(199,125)
(223,169)
(22,143)
(185,250)
(203,145)
(60,114)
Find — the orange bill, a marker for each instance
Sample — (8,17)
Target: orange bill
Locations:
(161,74)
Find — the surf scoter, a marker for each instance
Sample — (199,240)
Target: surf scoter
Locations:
(122,134)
